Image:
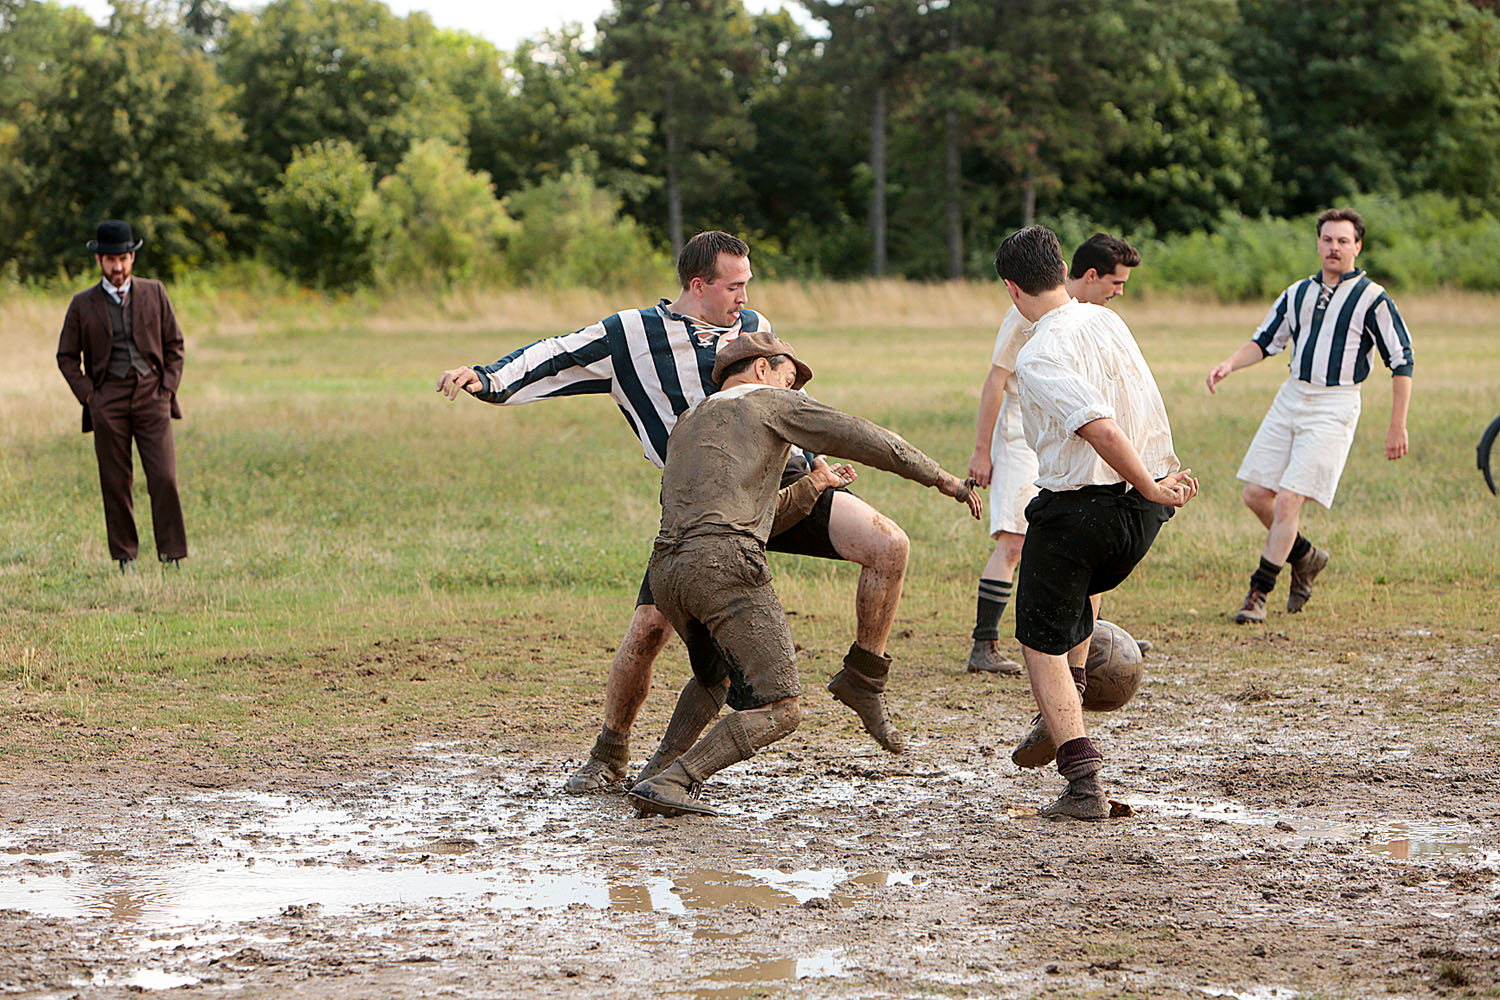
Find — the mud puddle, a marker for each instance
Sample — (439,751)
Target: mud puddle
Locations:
(1395,841)
(492,844)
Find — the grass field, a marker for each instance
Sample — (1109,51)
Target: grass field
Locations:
(367,557)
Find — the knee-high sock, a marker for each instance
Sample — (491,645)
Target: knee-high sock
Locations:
(737,737)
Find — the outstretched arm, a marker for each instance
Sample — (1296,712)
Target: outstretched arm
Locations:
(1248,354)
(1106,438)
(456,380)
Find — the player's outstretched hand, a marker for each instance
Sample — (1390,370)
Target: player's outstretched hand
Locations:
(1217,374)
(456,380)
(831,476)
(981,468)
(1177,489)
(962,490)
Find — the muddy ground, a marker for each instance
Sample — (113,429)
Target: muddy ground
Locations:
(1297,838)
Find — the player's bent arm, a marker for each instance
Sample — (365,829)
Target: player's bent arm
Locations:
(1106,438)
(1249,353)
(1395,436)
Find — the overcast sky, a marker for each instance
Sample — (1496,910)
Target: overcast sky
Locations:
(505,23)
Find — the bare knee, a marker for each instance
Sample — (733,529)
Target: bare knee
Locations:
(1258,497)
(1010,546)
(892,548)
(647,633)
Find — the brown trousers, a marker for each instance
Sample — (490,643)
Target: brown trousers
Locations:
(135,407)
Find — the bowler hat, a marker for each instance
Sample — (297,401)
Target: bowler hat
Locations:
(761,344)
(114,236)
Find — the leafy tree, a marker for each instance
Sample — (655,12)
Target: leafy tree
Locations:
(871,45)
(570,234)
(1375,95)
(323,220)
(442,221)
(309,70)
(125,121)
(683,64)
(549,106)
(1190,142)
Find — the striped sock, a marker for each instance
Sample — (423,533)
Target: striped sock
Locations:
(1264,577)
(994,595)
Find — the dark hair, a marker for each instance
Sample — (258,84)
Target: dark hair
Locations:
(1343,215)
(744,364)
(1032,258)
(700,256)
(1103,253)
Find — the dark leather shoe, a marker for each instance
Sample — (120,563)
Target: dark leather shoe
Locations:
(1304,571)
(985,658)
(1253,611)
(1082,799)
(596,777)
(1035,749)
(663,797)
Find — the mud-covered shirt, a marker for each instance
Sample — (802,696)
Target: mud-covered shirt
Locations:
(726,456)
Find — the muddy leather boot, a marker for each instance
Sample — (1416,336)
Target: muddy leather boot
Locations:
(606,768)
(1080,763)
(1082,799)
(1253,611)
(673,792)
(1304,571)
(861,686)
(985,658)
(697,706)
(1035,749)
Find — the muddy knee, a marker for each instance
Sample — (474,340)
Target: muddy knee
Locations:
(769,723)
(648,629)
(891,546)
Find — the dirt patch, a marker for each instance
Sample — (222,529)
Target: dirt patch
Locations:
(1280,839)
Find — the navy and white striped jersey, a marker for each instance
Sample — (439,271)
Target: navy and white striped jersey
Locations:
(653,362)
(1331,341)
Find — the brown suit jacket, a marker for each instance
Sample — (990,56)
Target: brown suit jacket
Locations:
(83,349)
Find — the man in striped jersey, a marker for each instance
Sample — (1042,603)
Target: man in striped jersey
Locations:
(656,363)
(1331,320)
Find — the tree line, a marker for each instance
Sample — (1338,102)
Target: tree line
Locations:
(347,145)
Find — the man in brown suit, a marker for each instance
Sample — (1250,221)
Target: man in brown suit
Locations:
(121,352)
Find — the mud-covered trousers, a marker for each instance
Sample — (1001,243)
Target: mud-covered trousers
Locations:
(716,591)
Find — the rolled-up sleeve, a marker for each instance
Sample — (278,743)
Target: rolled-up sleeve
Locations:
(1065,400)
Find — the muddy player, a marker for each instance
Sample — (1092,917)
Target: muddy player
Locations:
(1109,479)
(1004,462)
(708,567)
(655,363)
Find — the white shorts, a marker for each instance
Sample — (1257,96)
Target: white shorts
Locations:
(1013,481)
(1304,440)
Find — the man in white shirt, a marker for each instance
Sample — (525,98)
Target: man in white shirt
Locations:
(1004,463)
(1109,479)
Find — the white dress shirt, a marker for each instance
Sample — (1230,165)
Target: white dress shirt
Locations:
(1080,365)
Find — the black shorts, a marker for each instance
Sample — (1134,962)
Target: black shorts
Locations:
(808,537)
(1078,543)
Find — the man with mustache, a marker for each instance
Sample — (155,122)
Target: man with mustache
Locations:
(1331,321)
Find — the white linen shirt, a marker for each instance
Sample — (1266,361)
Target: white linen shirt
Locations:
(1080,365)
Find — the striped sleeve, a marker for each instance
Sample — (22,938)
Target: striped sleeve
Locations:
(1385,325)
(570,365)
(1276,329)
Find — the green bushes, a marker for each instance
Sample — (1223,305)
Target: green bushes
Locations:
(1424,242)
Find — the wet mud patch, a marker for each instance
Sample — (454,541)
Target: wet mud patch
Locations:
(835,871)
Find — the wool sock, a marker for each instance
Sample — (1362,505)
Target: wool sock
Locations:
(1300,548)
(612,747)
(994,595)
(1264,578)
(1077,758)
